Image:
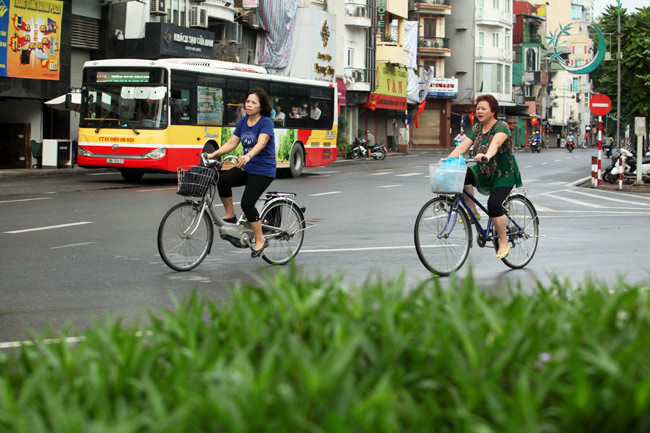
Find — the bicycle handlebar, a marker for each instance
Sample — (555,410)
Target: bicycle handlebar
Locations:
(212,162)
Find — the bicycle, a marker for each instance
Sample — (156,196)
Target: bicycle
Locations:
(186,232)
(443,235)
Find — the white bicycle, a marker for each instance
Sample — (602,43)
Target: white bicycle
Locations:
(186,232)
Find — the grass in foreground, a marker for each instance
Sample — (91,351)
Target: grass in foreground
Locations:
(307,355)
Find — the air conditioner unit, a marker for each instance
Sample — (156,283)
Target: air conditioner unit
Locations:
(158,7)
(357,76)
(233,32)
(198,17)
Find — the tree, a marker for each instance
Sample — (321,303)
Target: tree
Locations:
(635,64)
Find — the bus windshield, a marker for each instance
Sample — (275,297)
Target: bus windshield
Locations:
(124,98)
(117,106)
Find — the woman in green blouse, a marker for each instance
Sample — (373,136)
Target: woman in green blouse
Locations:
(496,171)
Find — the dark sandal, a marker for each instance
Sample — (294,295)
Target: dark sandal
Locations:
(257,253)
(231,220)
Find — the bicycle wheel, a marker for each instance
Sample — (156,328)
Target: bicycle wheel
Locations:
(523,231)
(442,236)
(183,241)
(283,225)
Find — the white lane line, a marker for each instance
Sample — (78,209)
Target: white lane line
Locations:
(68,340)
(335,250)
(389,186)
(528,166)
(381,173)
(409,174)
(102,174)
(80,244)
(48,227)
(578,202)
(325,193)
(602,197)
(26,199)
(158,189)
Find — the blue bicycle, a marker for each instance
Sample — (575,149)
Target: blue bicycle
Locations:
(443,234)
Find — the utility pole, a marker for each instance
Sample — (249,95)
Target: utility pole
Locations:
(618,81)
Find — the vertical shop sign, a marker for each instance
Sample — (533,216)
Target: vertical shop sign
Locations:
(381,17)
(33,35)
(4,26)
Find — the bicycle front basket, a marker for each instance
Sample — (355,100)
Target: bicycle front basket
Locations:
(447,178)
(194,180)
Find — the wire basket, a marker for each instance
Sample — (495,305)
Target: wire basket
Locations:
(194,180)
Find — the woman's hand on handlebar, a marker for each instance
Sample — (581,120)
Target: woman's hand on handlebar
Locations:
(243,160)
(481,157)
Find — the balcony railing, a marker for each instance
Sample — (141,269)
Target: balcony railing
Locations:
(433,2)
(433,42)
(358,75)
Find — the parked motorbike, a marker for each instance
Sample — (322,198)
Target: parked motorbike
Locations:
(360,150)
(534,144)
(570,145)
(629,163)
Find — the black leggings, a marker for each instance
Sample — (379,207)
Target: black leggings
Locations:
(255,186)
(497,195)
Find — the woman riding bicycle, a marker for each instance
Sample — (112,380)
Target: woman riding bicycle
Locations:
(255,168)
(496,171)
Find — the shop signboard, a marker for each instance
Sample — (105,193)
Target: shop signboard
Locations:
(169,40)
(443,88)
(390,93)
(30,38)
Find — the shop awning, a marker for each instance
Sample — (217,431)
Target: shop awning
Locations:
(59,103)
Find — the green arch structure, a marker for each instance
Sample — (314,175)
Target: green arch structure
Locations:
(591,65)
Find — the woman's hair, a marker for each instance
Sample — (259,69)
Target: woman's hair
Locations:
(265,100)
(492,102)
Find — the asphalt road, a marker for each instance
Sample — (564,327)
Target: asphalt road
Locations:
(84,244)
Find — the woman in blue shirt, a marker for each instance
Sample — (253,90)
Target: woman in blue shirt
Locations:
(255,168)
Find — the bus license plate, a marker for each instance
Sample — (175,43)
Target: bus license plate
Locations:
(114,161)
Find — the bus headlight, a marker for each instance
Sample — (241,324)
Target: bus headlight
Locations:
(155,154)
(83,152)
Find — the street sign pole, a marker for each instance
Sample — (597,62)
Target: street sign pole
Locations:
(600,147)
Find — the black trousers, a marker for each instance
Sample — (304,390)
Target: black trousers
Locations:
(497,196)
(255,186)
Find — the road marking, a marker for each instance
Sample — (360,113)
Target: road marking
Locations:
(602,197)
(381,173)
(69,340)
(334,250)
(528,166)
(325,193)
(102,174)
(80,244)
(409,174)
(158,189)
(389,186)
(49,227)
(26,199)
(578,202)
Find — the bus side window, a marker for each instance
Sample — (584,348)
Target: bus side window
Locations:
(180,107)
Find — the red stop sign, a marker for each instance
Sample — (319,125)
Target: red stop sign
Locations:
(600,104)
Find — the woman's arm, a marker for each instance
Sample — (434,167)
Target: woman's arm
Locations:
(498,139)
(461,148)
(262,139)
(225,148)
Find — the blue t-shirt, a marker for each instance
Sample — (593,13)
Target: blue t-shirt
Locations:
(264,162)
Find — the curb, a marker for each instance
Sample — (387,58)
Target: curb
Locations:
(36,172)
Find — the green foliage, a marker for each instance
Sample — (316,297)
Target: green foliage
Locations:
(226,134)
(285,140)
(294,354)
(635,64)
(342,140)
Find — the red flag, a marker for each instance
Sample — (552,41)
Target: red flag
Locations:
(421,106)
(415,119)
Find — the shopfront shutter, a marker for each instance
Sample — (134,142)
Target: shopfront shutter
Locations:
(85,32)
(428,133)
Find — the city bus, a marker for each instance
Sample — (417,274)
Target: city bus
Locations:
(152,116)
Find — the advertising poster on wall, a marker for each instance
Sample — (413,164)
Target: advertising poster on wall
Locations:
(210,106)
(4,24)
(33,35)
(390,92)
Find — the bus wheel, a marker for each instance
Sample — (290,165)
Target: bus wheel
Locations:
(131,174)
(297,160)
(209,147)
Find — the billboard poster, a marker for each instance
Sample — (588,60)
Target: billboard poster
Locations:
(33,38)
(4,24)
(210,105)
(390,92)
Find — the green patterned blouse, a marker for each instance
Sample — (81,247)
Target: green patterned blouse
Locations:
(502,169)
